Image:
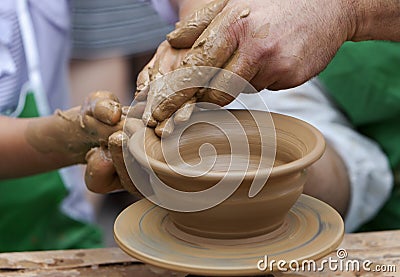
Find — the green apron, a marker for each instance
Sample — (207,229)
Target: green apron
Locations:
(364,80)
(31,217)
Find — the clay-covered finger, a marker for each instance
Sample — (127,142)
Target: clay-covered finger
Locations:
(137,110)
(165,128)
(231,81)
(92,98)
(213,48)
(141,93)
(100,174)
(107,111)
(188,31)
(166,60)
(184,112)
(132,125)
(96,131)
(125,110)
(104,106)
(148,119)
(143,80)
(115,142)
(154,72)
(101,94)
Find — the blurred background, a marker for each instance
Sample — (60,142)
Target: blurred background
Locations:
(112,41)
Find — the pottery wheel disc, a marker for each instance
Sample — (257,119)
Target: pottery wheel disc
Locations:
(311,230)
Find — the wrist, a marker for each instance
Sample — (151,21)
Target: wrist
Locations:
(361,18)
(57,136)
(352,18)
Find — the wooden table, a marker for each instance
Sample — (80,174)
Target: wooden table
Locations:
(381,248)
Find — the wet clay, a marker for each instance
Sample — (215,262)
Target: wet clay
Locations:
(136,111)
(104,106)
(186,32)
(153,72)
(107,111)
(165,128)
(262,31)
(132,125)
(75,131)
(184,112)
(212,48)
(100,176)
(298,146)
(165,60)
(115,142)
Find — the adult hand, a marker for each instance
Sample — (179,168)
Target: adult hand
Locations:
(273,44)
(165,60)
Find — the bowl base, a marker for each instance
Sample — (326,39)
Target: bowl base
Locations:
(195,236)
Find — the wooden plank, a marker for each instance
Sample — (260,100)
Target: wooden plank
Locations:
(379,247)
(122,270)
(63,259)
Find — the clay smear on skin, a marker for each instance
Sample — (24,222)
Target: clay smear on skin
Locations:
(67,132)
(209,50)
(115,143)
(186,32)
(262,31)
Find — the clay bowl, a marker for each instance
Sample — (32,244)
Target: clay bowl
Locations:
(298,145)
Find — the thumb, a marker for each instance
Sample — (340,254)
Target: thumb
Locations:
(115,144)
(100,174)
(188,31)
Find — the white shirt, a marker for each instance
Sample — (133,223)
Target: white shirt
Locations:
(51,23)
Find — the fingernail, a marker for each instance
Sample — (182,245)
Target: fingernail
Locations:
(172,34)
(117,139)
(108,111)
(105,154)
(141,93)
(90,153)
(125,110)
(148,120)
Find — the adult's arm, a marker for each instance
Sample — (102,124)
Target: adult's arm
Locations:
(376,20)
(275,44)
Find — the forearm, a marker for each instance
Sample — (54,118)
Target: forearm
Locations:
(19,158)
(35,145)
(376,20)
(328,181)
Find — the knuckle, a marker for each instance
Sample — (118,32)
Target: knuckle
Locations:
(218,97)
(240,28)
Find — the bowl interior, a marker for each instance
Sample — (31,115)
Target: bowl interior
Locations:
(201,146)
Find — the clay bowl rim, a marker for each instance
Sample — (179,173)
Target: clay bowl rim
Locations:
(287,168)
